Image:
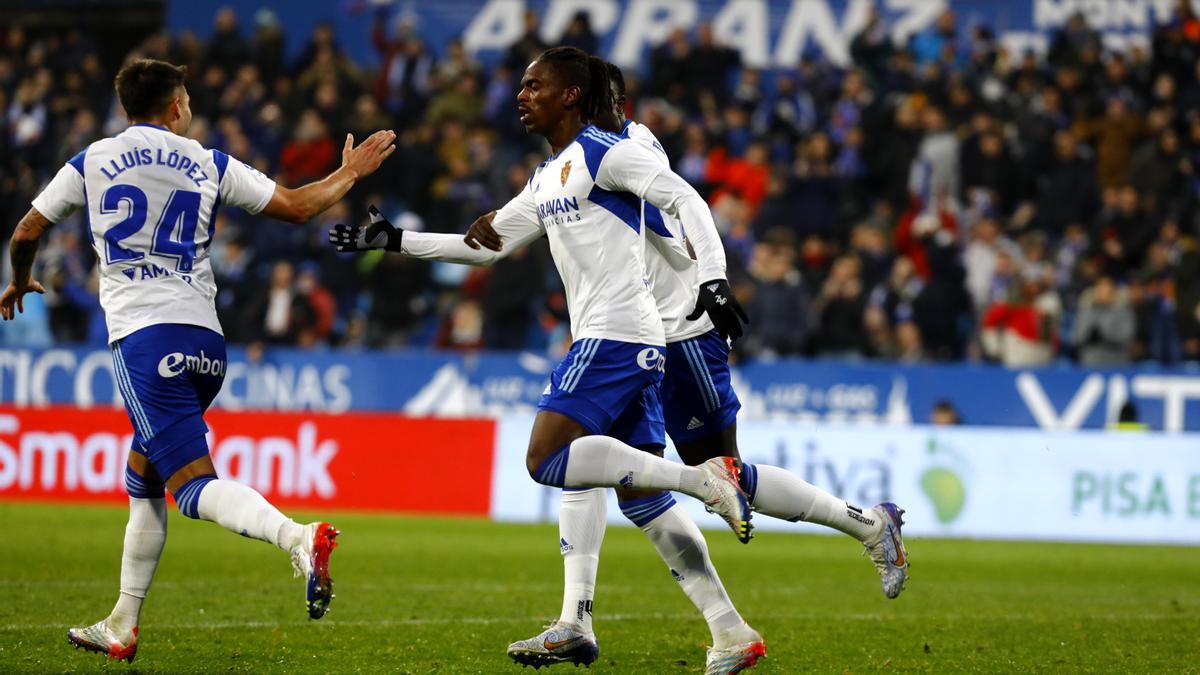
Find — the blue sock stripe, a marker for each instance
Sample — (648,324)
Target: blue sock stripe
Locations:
(642,511)
(137,486)
(553,470)
(749,480)
(703,382)
(188,496)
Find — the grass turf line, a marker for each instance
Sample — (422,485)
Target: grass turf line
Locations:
(423,595)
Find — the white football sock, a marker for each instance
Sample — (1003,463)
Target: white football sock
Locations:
(239,508)
(601,461)
(581,522)
(145,535)
(785,495)
(682,546)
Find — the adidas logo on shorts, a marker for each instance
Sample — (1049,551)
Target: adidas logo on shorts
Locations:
(694,424)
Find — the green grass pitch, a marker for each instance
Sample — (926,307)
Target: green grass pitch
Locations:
(422,595)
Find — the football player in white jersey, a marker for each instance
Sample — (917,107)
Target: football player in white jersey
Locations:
(602,403)
(700,407)
(151,197)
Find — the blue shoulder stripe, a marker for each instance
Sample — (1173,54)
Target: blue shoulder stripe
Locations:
(222,161)
(77,161)
(595,144)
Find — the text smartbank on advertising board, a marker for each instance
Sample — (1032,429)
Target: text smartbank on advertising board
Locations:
(974,483)
(364,461)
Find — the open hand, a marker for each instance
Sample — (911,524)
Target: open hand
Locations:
(367,157)
(14,296)
(481,232)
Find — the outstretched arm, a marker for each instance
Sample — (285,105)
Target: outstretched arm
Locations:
(516,225)
(298,205)
(23,251)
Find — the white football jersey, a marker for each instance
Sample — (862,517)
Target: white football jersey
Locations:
(151,198)
(587,200)
(675,287)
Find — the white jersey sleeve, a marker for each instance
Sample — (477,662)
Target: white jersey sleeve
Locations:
(62,195)
(244,186)
(633,167)
(629,166)
(516,222)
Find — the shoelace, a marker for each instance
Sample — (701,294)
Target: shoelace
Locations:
(880,562)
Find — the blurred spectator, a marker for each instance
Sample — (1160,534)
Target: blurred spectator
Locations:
(512,296)
(944,414)
(268,44)
(1067,192)
(455,65)
(279,314)
(1104,326)
(839,309)
(669,69)
(1074,42)
(226,48)
(939,42)
(321,304)
(780,304)
(981,259)
(522,52)
(709,65)
(579,33)
(309,155)
(745,177)
(405,80)
(1114,135)
(1023,331)
(462,329)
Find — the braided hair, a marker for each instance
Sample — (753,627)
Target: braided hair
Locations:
(617,78)
(579,69)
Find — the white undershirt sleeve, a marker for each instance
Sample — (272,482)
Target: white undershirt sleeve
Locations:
(632,167)
(516,222)
(675,196)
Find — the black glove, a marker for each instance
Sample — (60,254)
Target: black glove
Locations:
(716,298)
(379,234)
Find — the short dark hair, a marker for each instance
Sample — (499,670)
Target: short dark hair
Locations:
(146,86)
(589,73)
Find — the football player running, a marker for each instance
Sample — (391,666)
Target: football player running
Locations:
(602,404)
(157,290)
(700,407)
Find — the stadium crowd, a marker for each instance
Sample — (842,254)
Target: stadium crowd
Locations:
(939,200)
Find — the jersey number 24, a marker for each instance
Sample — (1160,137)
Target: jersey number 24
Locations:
(182,206)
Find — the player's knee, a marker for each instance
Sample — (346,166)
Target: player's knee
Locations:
(187,497)
(140,487)
(642,510)
(548,468)
(532,462)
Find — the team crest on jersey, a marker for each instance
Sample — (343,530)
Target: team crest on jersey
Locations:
(566,171)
